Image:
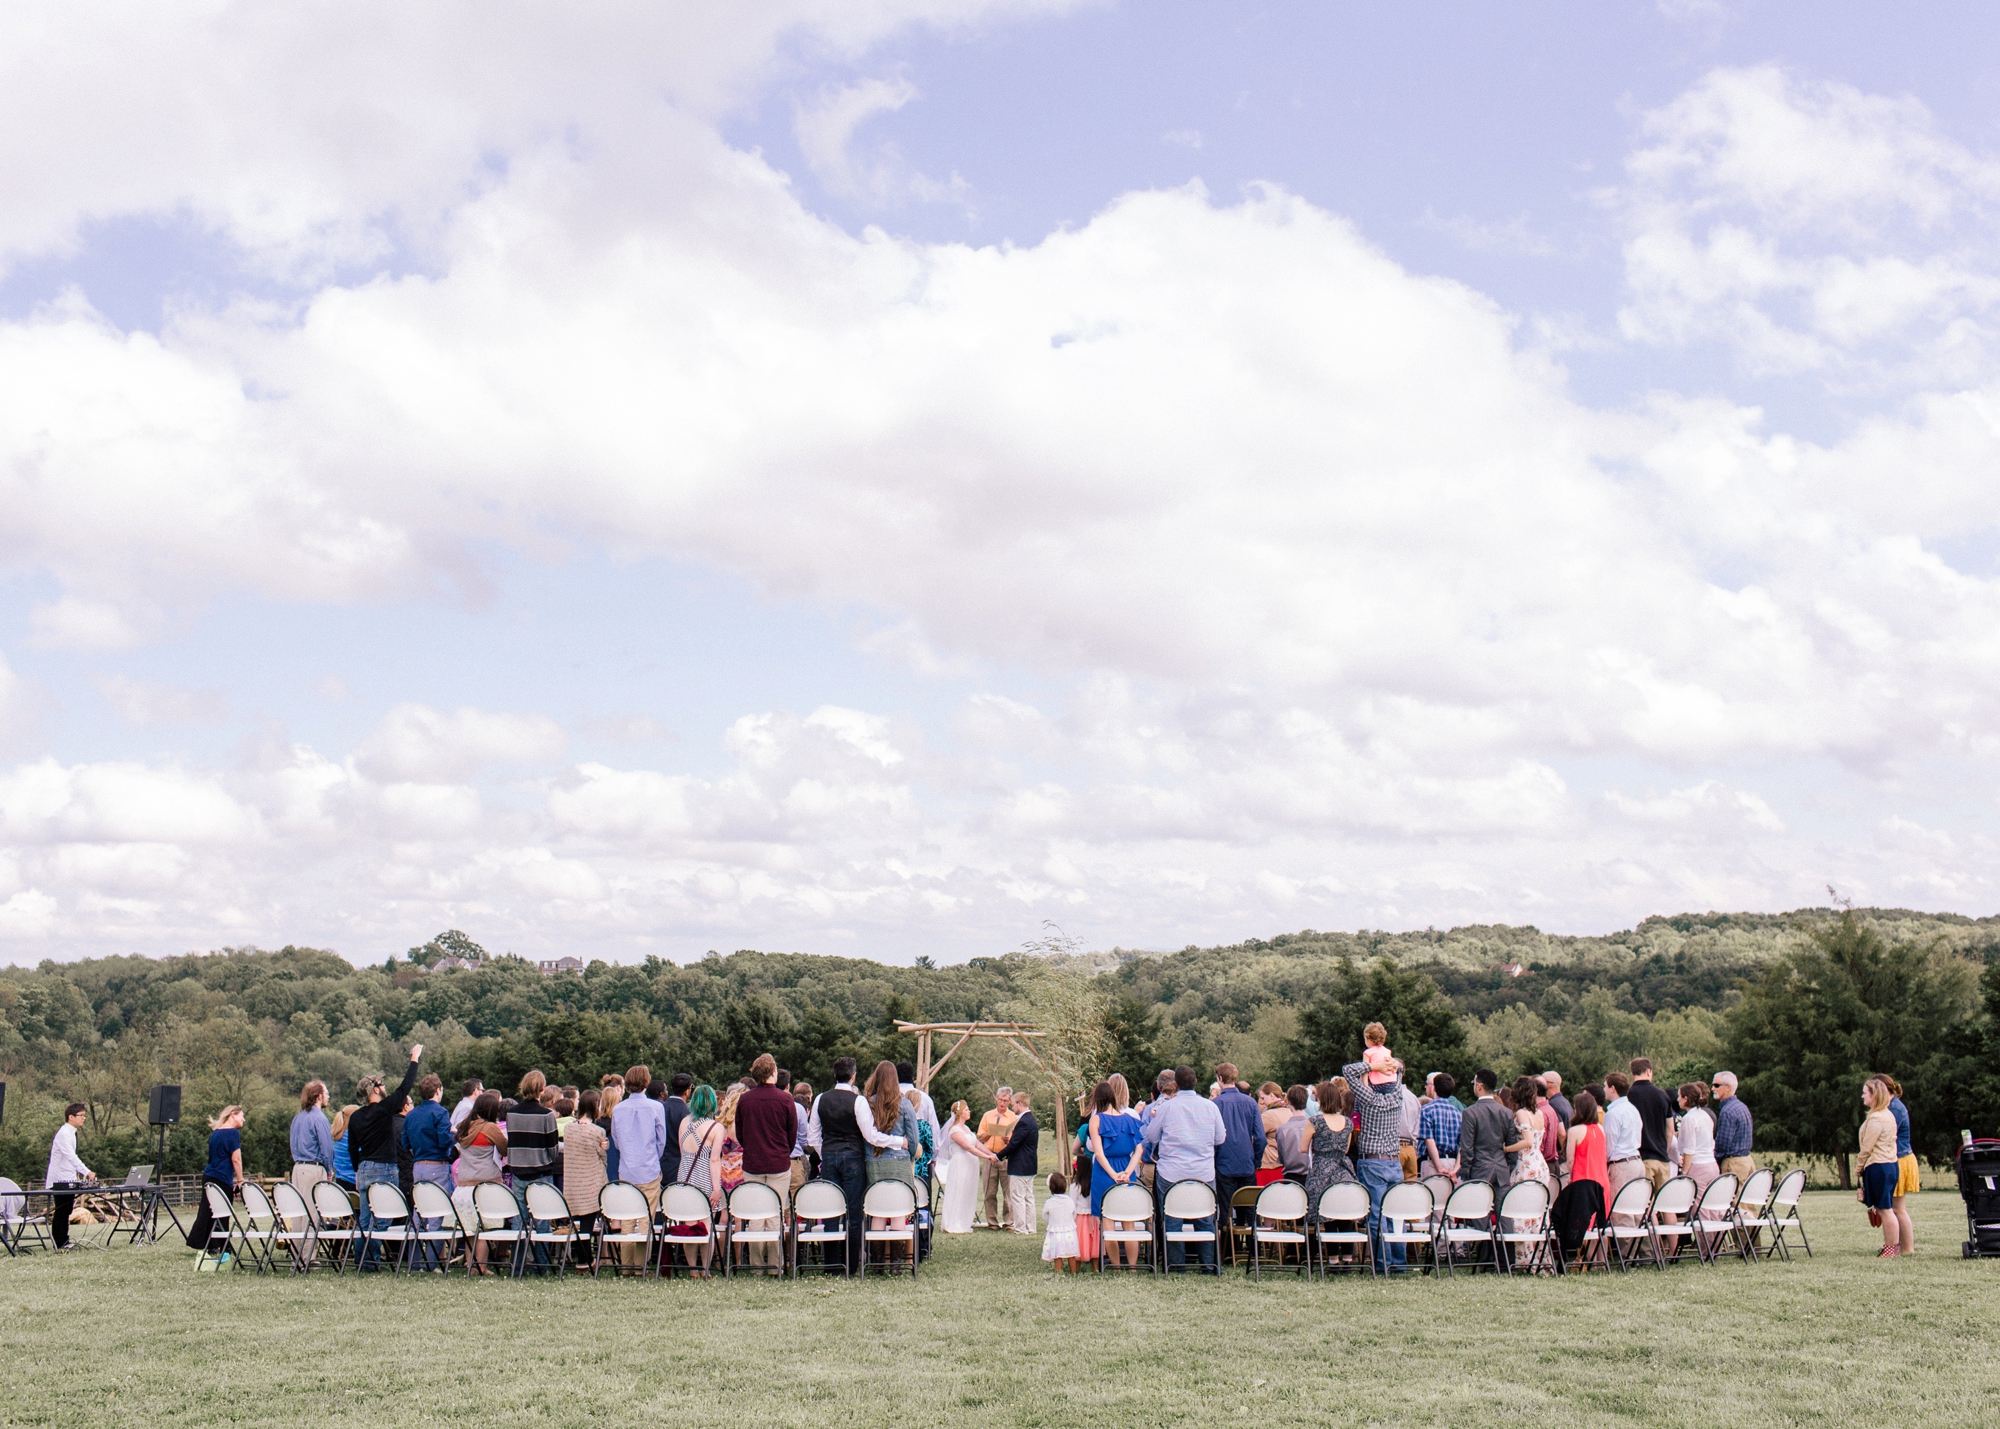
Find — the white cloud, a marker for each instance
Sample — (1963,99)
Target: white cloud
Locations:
(1814,227)
(148,702)
(825,130)
(418,744)
(1334,580)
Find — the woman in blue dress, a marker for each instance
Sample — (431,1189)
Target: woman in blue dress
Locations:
(1116,1141)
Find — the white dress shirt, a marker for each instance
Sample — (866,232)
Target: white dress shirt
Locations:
(1621,1130)
(866,1123)
(64,1164)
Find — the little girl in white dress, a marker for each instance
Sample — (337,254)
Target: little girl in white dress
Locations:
(1059,1245)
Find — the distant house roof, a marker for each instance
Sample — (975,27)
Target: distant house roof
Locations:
(561,965)
(1512,969)
(453,962)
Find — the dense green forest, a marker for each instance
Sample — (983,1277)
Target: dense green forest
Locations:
(1798,1003)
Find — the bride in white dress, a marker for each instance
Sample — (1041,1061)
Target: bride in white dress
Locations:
(960,1168)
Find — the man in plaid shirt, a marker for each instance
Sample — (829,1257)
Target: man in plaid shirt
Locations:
(1437,1128)
(1378,1112)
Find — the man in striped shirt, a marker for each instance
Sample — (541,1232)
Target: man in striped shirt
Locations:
(1378,1114)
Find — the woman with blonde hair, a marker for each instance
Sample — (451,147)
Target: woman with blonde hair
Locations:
(224,1171)
(1117,1145)
(343,1149)
(732,1149)
(1878,1166)
(963,1153)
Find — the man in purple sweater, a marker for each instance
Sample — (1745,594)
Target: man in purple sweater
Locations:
(767,1126)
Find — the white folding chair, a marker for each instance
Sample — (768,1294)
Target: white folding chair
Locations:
(816,1205)
(1405,1220)
(1132,1205)
(890,1201)
(685,1205)
(1673,1239)
(1191,1201)
(546,1203)
(1523,1225)
(449,1239)
(495,1205)
(16,1220)
(1466,1226)
(1750,1217)
(391,1216)
(1785,1213)
(754,1201)
(1715,1218)
(1283,1204)
(261,1228)
(1343,1220)
(222,1213)
(298,1230)
(1635,1201)
(336,1223)
(1440,1188)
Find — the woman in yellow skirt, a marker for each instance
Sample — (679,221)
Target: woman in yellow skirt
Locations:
(1907,1183)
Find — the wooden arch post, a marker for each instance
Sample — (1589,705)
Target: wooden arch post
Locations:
(1018,1035)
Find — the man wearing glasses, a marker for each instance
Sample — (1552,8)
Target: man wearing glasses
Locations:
(1732,1129)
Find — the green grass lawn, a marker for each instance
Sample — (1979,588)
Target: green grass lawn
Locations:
(988,1336)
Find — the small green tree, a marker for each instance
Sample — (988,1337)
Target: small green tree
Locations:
(1424,1028)
(1848,1004)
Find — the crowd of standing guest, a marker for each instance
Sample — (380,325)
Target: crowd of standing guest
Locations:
(1365,1126)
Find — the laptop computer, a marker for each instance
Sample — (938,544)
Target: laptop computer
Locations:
(139,1176)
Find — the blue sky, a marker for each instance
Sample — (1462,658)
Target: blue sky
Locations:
(870,478)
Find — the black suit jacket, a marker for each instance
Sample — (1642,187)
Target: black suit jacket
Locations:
(1022,1146)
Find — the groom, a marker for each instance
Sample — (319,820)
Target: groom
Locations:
(1023,1143)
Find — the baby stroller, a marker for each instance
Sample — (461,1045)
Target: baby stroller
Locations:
(1979,1184)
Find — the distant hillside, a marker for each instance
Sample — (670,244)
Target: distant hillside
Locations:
(245,1025)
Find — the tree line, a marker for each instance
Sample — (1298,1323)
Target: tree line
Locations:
(1798,1005)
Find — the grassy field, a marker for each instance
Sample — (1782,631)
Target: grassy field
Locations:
(988,1336)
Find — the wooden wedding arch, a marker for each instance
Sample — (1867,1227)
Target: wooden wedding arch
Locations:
(1018,1035)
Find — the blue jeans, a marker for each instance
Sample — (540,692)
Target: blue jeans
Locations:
(1378,1174)
(367,1174)
(842,1165)
(1177,1249)
(438,1173)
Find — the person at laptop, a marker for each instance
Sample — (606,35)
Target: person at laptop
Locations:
(66,1169)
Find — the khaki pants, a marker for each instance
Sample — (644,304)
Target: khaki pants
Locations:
(764,1253)
(305,1176)
(1021,1204)
(1738,1166)
(628,1252)
(1407,1154)
(1658,1172)
(992,1187)
(1448,1166)
(1148,1173)
(799,1164)
(1621,1172)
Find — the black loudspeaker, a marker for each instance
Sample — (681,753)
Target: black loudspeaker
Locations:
(163,1108)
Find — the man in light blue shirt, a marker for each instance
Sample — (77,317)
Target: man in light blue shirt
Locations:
(1184,1132)
(639,1130)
